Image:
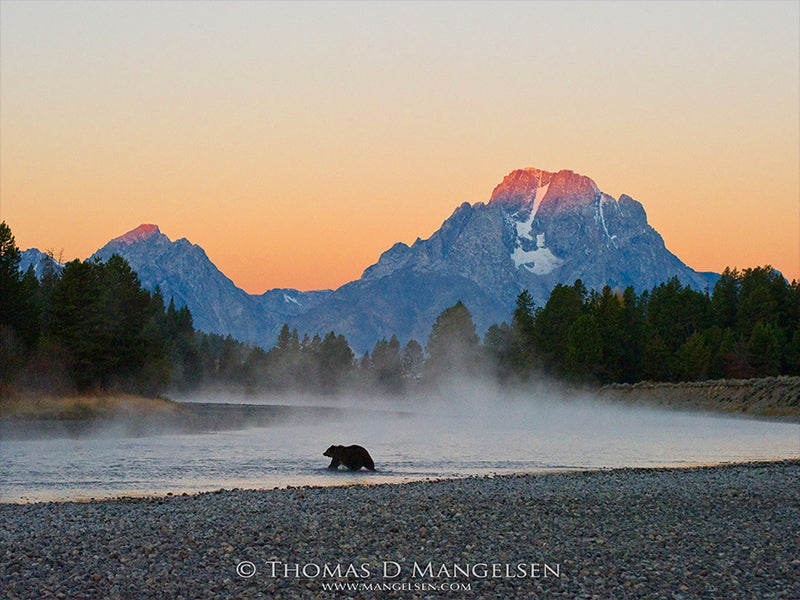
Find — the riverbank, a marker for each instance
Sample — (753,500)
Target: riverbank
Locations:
(30,406)
(30,417)
(33,416)
(764,397)
(723,532)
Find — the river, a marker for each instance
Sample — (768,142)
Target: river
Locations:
(473,433)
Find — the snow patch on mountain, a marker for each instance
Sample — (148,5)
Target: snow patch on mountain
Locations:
(602,218)
(537,199)
(539,261)
(524,227)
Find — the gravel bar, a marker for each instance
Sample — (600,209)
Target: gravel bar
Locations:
(727,531)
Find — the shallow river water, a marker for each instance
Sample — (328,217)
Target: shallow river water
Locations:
(426,440)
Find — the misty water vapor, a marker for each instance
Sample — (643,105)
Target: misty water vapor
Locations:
(465,427)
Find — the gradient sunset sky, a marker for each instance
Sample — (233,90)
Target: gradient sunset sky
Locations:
(295,142)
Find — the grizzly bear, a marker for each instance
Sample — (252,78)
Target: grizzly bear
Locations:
(352,457)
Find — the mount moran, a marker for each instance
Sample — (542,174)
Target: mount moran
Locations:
(538,229)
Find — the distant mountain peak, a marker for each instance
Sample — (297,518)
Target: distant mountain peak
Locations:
(569,189)
(142,232)
(525,189)
(519,188)
(539,229)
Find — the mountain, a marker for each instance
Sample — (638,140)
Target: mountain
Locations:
(537,229)
(40,261)
(183,272)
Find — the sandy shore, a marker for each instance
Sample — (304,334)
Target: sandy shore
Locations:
(707,532)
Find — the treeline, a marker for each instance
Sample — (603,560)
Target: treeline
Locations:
(310,365)
(749,326)
(88,326)
(91,326)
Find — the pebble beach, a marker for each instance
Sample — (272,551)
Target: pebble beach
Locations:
(702,532)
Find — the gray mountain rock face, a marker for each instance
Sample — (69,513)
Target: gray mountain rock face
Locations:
(538,229)
(33,257)
(183,272)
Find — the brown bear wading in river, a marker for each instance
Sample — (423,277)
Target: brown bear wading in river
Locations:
(352,457)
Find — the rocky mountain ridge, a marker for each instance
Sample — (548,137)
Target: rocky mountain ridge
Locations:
(537,229)
(183,272)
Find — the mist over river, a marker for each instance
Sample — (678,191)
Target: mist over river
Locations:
(470,430)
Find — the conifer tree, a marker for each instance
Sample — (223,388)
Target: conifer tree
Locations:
(609,313)
(335,360)
(453,343)
(387,364)
(522,351)
(693,359)
(584,353)
(413,360)
(18,315)
(9,276)
(497,344)
(764,350)
(554,321)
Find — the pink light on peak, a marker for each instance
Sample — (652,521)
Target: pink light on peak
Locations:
(140,233)
(519,187)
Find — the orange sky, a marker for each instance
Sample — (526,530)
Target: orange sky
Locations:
(296,142)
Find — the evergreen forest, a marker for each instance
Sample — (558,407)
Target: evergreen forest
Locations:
(89,326)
